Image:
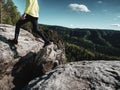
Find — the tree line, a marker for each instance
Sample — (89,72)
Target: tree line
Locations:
(8,12)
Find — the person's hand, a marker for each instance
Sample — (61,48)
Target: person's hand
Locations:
(23,16)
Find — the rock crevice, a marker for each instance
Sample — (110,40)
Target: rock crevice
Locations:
(21,63)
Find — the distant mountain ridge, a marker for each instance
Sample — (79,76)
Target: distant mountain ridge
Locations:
(89,44)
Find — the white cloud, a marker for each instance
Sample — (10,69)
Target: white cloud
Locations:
(116,25)
(71,25)
(79,7)
(105,10)
(99,2)
(115,19)
(118,16)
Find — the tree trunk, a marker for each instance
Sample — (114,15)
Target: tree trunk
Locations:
(0,11)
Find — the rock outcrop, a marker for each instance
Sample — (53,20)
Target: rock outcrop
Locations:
(29,66)
(84,75)
(21,63)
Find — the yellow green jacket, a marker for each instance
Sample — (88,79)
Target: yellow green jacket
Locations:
(32,8)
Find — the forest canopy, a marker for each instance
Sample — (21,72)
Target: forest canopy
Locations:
(8,12)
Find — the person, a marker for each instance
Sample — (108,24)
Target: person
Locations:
(31,14)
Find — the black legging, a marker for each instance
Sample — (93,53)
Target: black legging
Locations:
(34,22)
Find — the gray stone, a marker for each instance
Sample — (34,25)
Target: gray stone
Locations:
(26,43)
(21,63)
(84,75)
(9,54)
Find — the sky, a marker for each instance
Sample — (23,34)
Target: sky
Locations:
(97,14)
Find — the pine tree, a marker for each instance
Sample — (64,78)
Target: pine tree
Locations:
(1,1)
(9,14)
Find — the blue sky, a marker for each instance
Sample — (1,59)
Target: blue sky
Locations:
(102,14)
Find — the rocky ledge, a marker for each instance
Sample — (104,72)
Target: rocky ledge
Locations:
(21,63)
(84,75)
(29,66)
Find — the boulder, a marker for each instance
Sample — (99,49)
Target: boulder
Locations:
(26,43)
(84,75)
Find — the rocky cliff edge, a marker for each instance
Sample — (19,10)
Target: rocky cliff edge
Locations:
(21,63)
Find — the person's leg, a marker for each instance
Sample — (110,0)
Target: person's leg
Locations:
(17,29)
(34,22)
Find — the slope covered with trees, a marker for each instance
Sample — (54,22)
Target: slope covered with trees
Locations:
(89,44)
(8,12)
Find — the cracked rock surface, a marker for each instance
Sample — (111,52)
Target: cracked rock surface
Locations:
(22,63)
(84,75)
